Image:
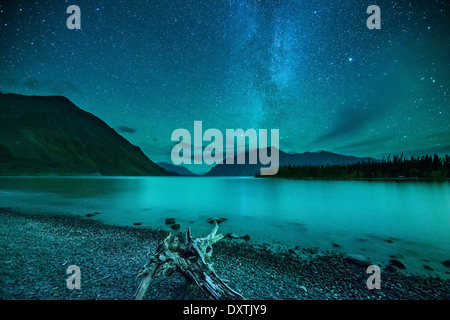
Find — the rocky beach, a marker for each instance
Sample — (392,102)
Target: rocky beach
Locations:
(36,251)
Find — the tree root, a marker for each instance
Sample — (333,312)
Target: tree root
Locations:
(191,259)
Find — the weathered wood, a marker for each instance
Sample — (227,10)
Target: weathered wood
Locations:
(191,258)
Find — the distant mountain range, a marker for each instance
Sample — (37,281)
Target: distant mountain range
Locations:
(50,135)
(176,169)
(285,159)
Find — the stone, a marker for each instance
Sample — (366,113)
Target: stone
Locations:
(303,288)
(137,223)
(218,220)
(397,263)
(232,236)
(396,256)
(446,263)
(235,236)
(170,220)
(357,259)
(175,226)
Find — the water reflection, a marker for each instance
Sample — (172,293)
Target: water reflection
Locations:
(347,214)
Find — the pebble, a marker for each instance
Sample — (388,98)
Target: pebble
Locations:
(218,220)
(252,270)
(175,226)
(357,259)
(397,263)
(170,220)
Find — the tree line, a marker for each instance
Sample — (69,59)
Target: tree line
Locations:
(424,167)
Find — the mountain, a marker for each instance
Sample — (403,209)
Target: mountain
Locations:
(297,159)
(176,169)
(49,135)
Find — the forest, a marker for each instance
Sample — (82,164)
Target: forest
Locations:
(424,167)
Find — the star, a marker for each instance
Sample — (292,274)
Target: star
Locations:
(310,69)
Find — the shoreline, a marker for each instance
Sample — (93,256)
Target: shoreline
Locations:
(36,250)
(406,179)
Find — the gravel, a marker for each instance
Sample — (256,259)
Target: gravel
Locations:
(36,250)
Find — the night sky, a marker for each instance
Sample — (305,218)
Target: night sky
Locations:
(311,69)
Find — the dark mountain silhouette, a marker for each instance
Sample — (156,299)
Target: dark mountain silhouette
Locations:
(42,135)
(285,159)
(181,170)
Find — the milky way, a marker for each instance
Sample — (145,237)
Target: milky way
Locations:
(311,69)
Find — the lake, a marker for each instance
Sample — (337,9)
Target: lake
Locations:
(373,218)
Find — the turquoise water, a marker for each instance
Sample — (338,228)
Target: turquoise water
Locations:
(374,218)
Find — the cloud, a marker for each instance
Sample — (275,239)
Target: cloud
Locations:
(375,100)
(364,147)
(384,144)
(125,129)
(350,120)
(65,86)
(53,87)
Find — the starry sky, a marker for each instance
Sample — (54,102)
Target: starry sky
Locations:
(311,69)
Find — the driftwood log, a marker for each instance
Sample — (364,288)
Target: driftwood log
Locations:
(191,258)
